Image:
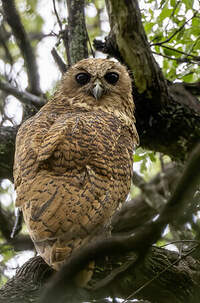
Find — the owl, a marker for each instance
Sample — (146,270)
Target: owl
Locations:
(74,158)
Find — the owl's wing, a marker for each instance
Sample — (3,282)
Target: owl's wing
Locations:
(25,155)
(35,143)
(55,136)
(30,137)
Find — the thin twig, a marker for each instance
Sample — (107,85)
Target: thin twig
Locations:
(57,17)
(172,14)
(181,52)
(175,33)
(179,60)
(88,38)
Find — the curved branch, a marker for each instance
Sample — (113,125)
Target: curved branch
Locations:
(23,96)
(13,19)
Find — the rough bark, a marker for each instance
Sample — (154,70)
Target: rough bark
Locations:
(76,32)
(159,277)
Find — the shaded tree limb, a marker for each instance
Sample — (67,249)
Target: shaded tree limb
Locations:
(194,88)
(13,19)
(23,96)
(3,42)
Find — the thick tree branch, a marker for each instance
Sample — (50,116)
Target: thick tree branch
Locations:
(76,30)
(13,19)
(128,32)
(186,272)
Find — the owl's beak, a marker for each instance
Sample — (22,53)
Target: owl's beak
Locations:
(98,89)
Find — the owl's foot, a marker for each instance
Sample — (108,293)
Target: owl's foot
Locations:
(85,275)
(58,256)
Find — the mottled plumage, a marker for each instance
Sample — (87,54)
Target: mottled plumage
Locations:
(73,160)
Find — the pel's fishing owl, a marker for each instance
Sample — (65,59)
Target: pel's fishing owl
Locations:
(73,160)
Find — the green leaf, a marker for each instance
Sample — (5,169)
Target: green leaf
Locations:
(166,12)
(188,4)
(148,27)
(188,78)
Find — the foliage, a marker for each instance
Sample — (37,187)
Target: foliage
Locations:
(173,29)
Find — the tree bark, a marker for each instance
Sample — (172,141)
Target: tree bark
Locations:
(76,32)
(160,277)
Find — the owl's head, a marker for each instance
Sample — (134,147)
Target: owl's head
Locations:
(98,84)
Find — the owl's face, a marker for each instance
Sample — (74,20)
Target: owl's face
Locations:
(99,83)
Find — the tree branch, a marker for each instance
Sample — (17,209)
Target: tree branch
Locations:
(178,60)
(24,44)
(195,58)
(60,63)
(77,34)
(128,32)
(32,277)
(23,96)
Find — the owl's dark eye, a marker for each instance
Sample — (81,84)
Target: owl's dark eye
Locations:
(83,78)
(111,78)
